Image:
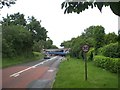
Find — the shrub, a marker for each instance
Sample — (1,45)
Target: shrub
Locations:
(16,40)
(90,54)
(110,50)
(7,50)
(111,64)
(38,45)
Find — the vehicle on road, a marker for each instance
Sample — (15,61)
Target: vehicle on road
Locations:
(47,57)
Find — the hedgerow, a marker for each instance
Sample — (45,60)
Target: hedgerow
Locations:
(110,50)
(107,63)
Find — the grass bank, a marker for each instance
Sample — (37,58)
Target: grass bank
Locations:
(71,75)
(7,62)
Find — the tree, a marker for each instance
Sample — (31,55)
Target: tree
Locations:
(38,32)
(14,19)
(93,36)
(22,36)
(90,31)
(99,37)
(76,44)
(48,44)
(38,46)
(54,47)
(66,44)
(62,44)
(78,7)
(110,38)
(7,3)
(118,36)
(32,25)
(16,40)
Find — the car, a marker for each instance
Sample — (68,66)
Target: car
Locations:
(46,57)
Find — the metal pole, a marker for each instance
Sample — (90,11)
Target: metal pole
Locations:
(85,66)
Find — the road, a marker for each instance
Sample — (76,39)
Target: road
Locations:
(39,74)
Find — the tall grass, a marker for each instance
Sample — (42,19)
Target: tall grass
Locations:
(7,62)
(71,75)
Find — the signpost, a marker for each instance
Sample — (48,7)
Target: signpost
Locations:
(85,49)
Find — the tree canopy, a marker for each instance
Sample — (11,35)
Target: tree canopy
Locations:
(94,36)
(7,3)
(78,7)
(23,36)
(110,38)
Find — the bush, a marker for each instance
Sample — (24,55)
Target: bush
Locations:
(16,40)
(38,45)
(7,50)
(111,50)
(75,51)
(90,54)
(111,64)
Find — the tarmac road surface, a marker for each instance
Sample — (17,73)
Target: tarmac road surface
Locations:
(38,74)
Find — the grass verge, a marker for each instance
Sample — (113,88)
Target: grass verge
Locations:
(7,62)
(71,75)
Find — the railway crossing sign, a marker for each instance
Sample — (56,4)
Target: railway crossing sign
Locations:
(85,49)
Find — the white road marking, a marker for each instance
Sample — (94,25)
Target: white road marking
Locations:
(51,70)
(34,66)
(16,75)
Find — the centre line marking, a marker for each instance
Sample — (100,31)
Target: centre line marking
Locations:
(34,66)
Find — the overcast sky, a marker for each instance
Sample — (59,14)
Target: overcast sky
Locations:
(60,26)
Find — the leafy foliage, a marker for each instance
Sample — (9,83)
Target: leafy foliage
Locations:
(66,44)
(110,38)
(7,62)
(38,32)
(93,36)
(7,50)
(111,64)
(21,36)
(110,50)
(16,39)
(90,32)
(90,54)
(48,43)
(14,19)
(118,36)
(54,47)
(38,46)
(99,37)
(78,7)
(7,3)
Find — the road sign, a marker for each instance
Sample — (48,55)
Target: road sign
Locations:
(85,48)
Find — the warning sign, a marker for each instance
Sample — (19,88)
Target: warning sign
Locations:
(85,48)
